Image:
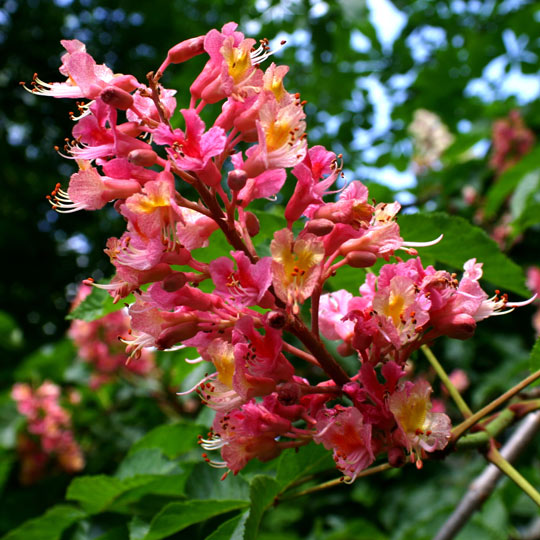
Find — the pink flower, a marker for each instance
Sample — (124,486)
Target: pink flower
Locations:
(244,287)
(259,363)
(280,138)
(343,431)
(85,78)
(421,430)
(295,266)
(194,149)
(246,433)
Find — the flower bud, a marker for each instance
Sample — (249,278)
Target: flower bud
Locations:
(131,129)
(461,326)
(117,98)
(354,244)
(319,227)
(174,281)
(361,259)
(276,320)
(142,157)
(176,334)
(252,224)
(396,456)
(186,50)
(237,179)
(345,349)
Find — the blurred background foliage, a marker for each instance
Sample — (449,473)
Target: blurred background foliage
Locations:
(365,68)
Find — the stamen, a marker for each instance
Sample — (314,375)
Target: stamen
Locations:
(423,244)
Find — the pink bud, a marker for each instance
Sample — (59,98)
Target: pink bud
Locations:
(276,319)
(361,259)
(174,281)
(320,227)
(345,349)
(354,244)
(396,456)
(252,224)
(176,334)
(117,98)
(186,50)
(142,157)
(460,326)
(131,129)
(237,179)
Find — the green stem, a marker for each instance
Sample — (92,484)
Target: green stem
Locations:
(458,431)
(498,460)
(336,482)
(492,430)
(452,390)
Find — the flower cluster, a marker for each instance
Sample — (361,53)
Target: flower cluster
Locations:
(180,189)
(48,435)
(98,344)
(431,138)
(512,139)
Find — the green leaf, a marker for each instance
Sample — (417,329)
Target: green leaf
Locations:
(11,336)
(525,202)
(534,358)
(7,459)
(138,528)
(463,241)
(96,305)
(177,516)
(307,460)
(173,440)
(233,529)
(508,181)
(10,422)
(205,483)
(262,494)
(142,473)
(97,493)
(147,461)
(50,525)
(118,533)
(48,362)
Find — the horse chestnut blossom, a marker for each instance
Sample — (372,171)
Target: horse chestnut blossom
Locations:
(97,344)
(48,437)
(271,380)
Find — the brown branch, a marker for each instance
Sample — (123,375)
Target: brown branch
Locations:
(482,487)
(315,346)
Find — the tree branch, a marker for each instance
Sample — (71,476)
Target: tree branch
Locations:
(482,487)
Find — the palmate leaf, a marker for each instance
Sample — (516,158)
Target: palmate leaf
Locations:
(307,460)
(461,242)
(173,440)
(50,525)
(177,516)
(509,180)
(96,305)
(142,473)
(263,491)
(534,359)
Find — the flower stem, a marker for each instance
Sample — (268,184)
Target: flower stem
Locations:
(458,431)
(336,482)
(507,468)
(452,390)
(315,346)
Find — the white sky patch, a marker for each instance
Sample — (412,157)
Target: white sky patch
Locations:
(318,9)
(387,20)
(388,176)
(359,42)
